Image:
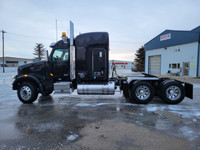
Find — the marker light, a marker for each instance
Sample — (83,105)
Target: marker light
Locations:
(13,76)
(51,74)
(63,33)
(25,75)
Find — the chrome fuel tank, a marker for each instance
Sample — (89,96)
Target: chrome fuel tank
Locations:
(97,89)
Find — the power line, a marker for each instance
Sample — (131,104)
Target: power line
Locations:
(122,42)
(14,45)
(28,36)
(26,39)
(51,39)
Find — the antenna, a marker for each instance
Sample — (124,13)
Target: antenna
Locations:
(56,31)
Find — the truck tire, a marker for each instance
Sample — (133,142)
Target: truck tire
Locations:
(47,93)
(141,92)
(172,92)
(161,84)
(27,92)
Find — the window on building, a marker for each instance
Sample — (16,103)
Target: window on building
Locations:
(174,66)
(178,65)
(14,62)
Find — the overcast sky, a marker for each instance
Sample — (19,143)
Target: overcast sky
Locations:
(130,23)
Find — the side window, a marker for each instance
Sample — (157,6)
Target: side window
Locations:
(57,55)
(65,56)
(60,55)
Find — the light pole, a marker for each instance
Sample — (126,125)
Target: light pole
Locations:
(3,32)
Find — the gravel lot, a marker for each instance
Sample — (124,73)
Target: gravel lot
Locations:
(96,122)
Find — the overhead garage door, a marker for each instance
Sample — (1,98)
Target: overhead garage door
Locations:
(154,64)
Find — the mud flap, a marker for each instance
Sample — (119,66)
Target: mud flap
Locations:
(125,88)
(189,90)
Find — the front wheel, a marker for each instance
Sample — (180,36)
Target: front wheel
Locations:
(141,92)
(47,93)
(27,92)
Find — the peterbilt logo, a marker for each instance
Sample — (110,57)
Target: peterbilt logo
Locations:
(165,37)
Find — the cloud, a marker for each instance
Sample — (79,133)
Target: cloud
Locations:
(130,23)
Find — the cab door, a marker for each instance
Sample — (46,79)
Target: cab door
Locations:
(60,65)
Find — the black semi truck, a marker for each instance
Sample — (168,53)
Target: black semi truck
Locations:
(82,64)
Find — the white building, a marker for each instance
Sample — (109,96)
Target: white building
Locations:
(14,62)
(174,52)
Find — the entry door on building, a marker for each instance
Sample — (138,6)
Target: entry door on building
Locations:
(186,68)
(154,64)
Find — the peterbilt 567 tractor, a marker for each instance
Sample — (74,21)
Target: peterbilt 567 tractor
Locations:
(82,64)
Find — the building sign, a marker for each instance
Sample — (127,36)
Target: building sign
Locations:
(165,37)
(192,64)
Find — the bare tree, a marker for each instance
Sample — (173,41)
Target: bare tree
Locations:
(39,51)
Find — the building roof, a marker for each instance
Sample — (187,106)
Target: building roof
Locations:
(173,37)
(197,29)
(15,59)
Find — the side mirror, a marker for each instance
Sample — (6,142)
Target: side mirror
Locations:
(46,55)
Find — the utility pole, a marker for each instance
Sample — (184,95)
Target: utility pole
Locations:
(3,49)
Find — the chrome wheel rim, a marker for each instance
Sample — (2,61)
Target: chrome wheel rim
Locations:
(25,92)
(173,92)
(142,92)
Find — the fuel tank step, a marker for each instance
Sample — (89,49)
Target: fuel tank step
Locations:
(62,91)
(62,87)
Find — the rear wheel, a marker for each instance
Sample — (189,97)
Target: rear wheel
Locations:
(27,92)
(141,92)
(172,92)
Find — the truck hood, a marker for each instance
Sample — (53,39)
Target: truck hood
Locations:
(31,67)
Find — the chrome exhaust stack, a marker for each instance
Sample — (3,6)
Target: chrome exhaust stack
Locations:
(72,52)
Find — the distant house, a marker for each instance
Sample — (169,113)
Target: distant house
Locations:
(14,62)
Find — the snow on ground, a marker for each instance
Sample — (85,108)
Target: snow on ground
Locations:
(196,86)
(6,92)
(183,119)
(9,71)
